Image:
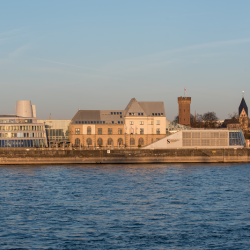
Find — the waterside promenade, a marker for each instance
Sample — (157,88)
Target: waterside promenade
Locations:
(76,156)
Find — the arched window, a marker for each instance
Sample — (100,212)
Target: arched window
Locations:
(120,141)
(99,142)
(132,141)
(89,141)
(140,141)
(110,141)
(88,130)
(77,142)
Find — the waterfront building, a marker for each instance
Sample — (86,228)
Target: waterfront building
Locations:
(140,123)
(173,127)
(184,110)
(57,131)
(200,138)
(243,114)
(22,129)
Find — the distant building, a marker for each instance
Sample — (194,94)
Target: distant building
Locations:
(57,131)
(184,110)
(243,114)
(140,123)
(200,138)
(173,127)
(22,129)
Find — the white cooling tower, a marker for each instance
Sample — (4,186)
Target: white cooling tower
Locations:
(24,109)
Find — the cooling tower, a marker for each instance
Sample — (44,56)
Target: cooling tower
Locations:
(24,109)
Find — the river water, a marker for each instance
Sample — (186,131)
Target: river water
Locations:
(131,206)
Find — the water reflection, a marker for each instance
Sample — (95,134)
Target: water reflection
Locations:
(149,206)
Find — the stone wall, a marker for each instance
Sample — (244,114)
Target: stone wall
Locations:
(46,156)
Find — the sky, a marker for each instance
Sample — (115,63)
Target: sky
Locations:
(70,55)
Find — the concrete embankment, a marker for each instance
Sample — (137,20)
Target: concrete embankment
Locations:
(58,156)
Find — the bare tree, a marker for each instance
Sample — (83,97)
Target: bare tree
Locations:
(233,115)
(210,119)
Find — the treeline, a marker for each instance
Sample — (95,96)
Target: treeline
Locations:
(206,120)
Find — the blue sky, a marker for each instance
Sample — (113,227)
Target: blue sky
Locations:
(70,55)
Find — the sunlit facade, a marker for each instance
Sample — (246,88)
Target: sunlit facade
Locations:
(57,131)
(211,138)
(22,129)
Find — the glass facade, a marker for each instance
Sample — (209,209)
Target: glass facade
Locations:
(236,138)
(23,143)
(56,130)
(212,138)
(21,132)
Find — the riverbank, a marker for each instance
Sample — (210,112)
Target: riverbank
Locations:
(59,156)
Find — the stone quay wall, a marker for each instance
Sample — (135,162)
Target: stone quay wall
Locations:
(58,156)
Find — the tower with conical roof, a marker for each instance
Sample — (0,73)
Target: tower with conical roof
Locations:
(243,113)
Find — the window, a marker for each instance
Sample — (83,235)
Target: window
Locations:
(141,122)
(77,131)
(140,141)
(110,131)
(121,122)
(131,123)
(99,131)
(129,113)
(153,114)
(88,130)
(159,114)
(119,131)
(120,141)
(141,131)
(157,131)
(89,141)
(77,142)
(111,113)
(110,141)
(157,122)
(120,116)
(132,141)
(120,113)
(99,142)
(118,122)
(139,113)
(91,122)
(114,113)
(112,122)
(103,122)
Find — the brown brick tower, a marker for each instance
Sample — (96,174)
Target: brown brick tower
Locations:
(184,110)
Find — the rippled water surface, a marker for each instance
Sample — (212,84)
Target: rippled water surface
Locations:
(158,206)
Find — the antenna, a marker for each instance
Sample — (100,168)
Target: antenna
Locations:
(243,94)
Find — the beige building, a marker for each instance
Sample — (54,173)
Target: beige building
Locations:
(140,123)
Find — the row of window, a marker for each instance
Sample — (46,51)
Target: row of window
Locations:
(110,131)
(135,114)
(14,121)
(14,135)
(142,123)
(17,128)
(155,114)
(110,142)
(22,143)
(97,122)
(116,113)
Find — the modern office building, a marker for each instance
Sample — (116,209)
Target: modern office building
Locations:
(198,138)
(22,129)
(57,131)
(140,123)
